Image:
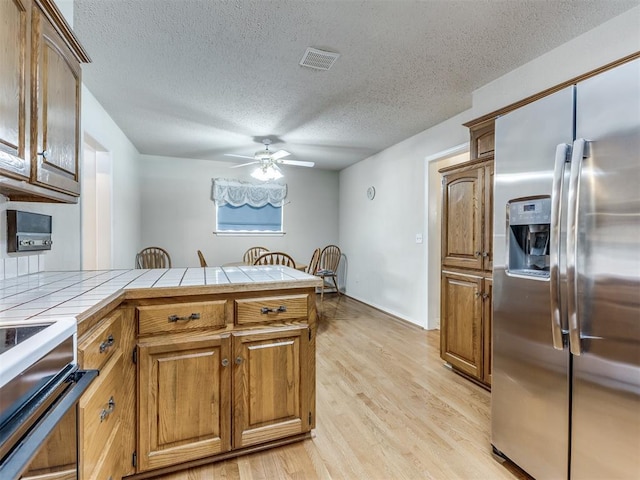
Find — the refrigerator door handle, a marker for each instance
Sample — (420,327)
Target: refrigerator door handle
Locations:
(562,157)
(572,245)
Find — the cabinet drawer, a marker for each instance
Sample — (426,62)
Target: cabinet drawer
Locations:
(181,317)
(102,343)
(268,309)
(98,415)
(109,466)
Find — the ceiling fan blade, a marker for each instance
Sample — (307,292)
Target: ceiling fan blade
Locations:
(244,164)
(279,154)
(239,156)
(297,163)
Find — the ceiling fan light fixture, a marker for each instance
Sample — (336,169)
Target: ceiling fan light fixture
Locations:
(265,173)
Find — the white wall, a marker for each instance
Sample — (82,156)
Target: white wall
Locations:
(125,198)
(387,268)
(179,215)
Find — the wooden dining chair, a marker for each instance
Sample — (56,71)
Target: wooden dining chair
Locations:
(251,254)
(328,268)
(314,262)
(275,258)
(203,262)
(153,257)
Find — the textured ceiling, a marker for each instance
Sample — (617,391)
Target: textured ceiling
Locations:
(200,78)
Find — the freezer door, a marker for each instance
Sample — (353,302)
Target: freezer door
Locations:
(606,375)
(530,385)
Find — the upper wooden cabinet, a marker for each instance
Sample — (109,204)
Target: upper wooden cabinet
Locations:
(15,17)
(482,141)
(40,85)
(467,216)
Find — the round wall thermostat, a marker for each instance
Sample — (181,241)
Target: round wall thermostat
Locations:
(371,193)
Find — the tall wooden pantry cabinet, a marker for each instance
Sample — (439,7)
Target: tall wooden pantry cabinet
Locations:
(467,259)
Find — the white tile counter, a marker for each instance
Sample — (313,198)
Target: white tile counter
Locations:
(48,295)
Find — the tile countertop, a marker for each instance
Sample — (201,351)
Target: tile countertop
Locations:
(47,295)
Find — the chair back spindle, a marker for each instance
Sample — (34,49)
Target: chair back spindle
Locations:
(275,258)
(251,254)
(153,257)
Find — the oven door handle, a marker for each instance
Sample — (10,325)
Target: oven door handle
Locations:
(15,463)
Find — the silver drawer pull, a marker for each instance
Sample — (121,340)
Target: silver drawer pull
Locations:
(225,362)
(109,410)
(280,309)
(176,318)
(108,343)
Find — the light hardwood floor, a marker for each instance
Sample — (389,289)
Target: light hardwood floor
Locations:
(387,409)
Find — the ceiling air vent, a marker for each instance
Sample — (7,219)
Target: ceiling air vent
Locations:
(318,59)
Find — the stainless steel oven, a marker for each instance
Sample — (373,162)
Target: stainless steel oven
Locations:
(40,386)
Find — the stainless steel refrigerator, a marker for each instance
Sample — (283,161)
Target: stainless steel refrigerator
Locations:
(566,307)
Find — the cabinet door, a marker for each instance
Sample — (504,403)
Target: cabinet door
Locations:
(487,319)
(487,249)
(462,212)
(271,379)
(14,83)
(56,116)
(461,322)
(184,394)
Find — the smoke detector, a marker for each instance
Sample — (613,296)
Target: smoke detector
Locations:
(318,59)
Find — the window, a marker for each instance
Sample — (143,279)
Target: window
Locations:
(246,208)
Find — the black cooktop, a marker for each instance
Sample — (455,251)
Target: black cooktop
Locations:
(11,336)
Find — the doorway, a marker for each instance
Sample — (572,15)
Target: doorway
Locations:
(95,206)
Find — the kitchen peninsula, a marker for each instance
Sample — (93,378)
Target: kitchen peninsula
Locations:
(196,364)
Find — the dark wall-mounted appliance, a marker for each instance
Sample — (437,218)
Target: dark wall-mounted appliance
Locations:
(28,232)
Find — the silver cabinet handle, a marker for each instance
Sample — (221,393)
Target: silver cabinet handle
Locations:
(238,360)
(225,362)
(109,410)
(176,318)
(108,343)
(562,151)
(280,309)
(572,245)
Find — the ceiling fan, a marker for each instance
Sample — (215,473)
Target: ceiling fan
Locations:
(267,159)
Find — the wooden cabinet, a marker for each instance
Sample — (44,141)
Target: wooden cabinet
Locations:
(14,88)
(184,394)
(223,374)
(56,459)
(56,109)
(40,85)
(101,430)
(467,259)
(461,322)
(467,218)
(270,384)
(466,324)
